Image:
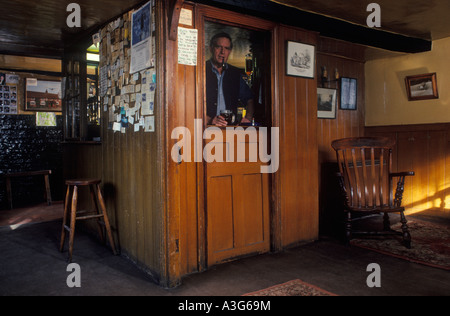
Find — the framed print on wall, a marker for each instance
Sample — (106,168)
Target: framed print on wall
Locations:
(349,88)
(422,87)
(43,95)
(300,60)
(326,103)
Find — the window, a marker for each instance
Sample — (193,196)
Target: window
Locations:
(81,107)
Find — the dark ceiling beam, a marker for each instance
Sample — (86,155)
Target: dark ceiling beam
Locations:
(326,26)
(30,50)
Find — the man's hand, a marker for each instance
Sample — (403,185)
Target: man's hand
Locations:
(245,120)
(219,121)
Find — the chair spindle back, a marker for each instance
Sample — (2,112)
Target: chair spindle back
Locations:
(365,164)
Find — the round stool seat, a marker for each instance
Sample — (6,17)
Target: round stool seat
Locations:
(83,181)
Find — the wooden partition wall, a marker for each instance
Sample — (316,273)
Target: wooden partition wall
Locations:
(293,189)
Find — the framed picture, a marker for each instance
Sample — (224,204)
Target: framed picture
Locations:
(349,91)
(422,87)
(300,60)
(43,95)
(326,103)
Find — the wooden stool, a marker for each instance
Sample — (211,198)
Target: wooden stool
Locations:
(44,173)
(94,186)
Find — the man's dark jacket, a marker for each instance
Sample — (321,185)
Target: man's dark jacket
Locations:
(230,85)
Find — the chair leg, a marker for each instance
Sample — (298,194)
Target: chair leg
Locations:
(63,228)
(73,217)
(105,217)
(348,229)
(405,230)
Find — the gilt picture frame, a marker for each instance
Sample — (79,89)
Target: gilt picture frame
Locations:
(422,87)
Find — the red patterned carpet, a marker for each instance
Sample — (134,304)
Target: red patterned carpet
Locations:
(292,288)
(430,244)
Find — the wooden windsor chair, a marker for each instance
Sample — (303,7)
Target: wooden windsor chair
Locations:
(366,180)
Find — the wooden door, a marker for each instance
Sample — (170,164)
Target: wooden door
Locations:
(237,208)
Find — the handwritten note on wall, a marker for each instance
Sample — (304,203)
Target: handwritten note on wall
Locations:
(187,46)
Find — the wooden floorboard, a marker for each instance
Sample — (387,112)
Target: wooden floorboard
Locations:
(32,214)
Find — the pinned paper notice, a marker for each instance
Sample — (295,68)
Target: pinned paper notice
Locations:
(149,124)
(187,46)
(186,17)
(117,126)
(45,119)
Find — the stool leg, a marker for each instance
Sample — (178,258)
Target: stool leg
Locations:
(9,192)
(105,217)
(94,200)
(73,217)
(66,211)
(48,194)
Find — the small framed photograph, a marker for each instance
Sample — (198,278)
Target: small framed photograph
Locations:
(300,60)
(349,93)
(326,103)
(422,87)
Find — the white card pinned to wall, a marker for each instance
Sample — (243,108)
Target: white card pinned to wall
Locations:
(186,17)
(149,124)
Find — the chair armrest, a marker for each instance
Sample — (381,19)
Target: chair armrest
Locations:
(402,174)
(397,200)
(343,190)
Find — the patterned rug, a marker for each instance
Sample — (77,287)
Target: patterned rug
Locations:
(430,244)
(292,288)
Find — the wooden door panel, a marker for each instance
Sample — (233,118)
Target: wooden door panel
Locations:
(252,209)
(220,214)
(237,209)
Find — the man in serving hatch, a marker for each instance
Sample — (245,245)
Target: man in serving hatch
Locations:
(225,86)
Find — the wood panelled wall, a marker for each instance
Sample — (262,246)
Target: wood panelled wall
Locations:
(295,189)
(185,211)
(424,149)
(128,165)
(348,59)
